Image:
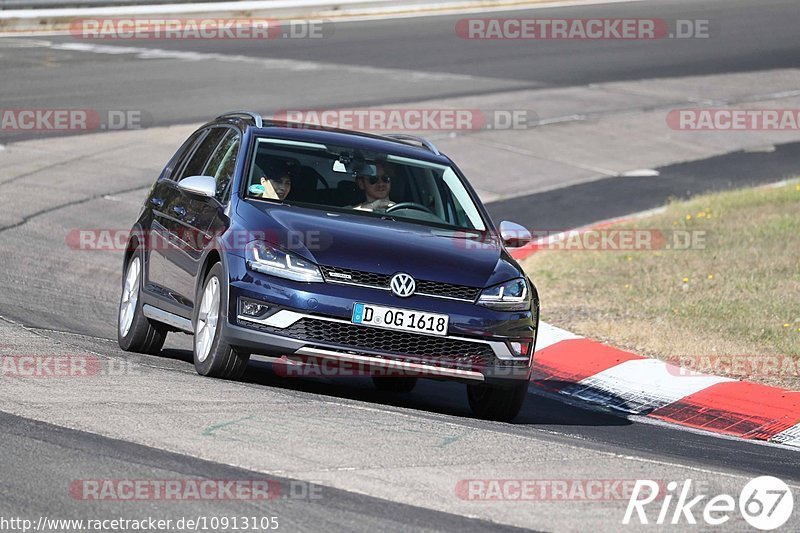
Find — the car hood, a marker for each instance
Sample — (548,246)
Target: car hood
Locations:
(382,246)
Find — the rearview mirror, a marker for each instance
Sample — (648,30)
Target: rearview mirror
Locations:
(202,185)
(514,235)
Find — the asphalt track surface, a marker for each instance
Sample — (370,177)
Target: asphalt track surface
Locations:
(63,456)
(37,460)
(582,204)
(746,37)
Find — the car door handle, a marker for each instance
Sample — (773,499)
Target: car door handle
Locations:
(158,202)
(179,210)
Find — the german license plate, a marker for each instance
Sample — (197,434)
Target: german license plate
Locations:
(400,319)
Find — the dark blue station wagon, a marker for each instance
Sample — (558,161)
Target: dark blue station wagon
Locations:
(279,242)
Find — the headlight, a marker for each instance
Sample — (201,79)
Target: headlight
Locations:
(268,259)
(509,296)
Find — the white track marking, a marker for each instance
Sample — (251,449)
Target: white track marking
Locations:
(549,335)
(641,173)
(640,385)
(276,64)
(790,437)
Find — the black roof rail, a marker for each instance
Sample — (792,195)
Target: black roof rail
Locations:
(416,138)
(250,114)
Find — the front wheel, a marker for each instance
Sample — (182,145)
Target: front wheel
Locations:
(213,356)
(136,332)
(497,403)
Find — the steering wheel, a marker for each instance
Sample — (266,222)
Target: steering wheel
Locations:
(410,205)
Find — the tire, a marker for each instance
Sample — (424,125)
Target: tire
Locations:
(136,332)
(387,384)
(496,403)
(213,356)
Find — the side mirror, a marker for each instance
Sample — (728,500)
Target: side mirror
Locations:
(202,185)
(514,235)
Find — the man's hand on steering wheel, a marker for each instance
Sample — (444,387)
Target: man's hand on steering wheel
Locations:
(410,205)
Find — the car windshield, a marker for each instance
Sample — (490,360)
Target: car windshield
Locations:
(367,183)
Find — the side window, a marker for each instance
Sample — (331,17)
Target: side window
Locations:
(181,155)
(197,161)
(222,163)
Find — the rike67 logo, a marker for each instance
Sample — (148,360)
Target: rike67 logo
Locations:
(765,503)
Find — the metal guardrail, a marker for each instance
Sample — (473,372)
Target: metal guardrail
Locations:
(30,6)
(56,4)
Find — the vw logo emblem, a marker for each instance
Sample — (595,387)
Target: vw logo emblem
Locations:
(402,285)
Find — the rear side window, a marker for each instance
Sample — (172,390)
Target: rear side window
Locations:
(183,153)
(198,160)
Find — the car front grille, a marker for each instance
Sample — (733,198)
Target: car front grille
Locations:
(396,345)
(381,281)
(355,276)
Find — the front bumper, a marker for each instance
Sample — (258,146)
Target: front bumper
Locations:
(475,350)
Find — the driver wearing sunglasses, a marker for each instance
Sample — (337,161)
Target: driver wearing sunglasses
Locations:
(376,184)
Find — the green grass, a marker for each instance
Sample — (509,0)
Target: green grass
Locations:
(738,295)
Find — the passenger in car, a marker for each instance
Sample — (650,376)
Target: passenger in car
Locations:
(278,186)
(376,184)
